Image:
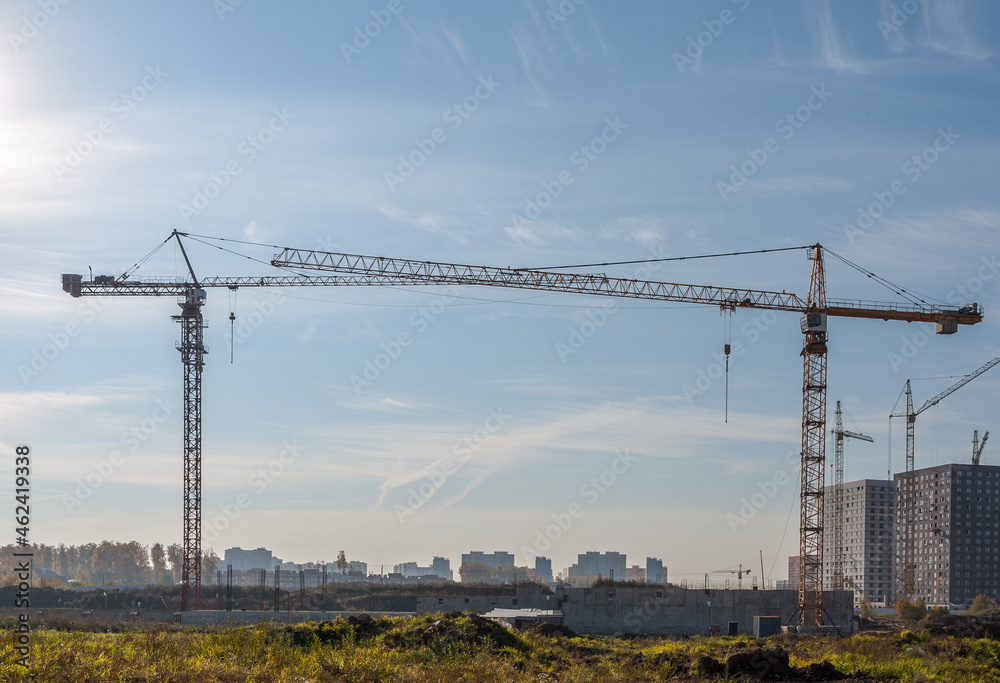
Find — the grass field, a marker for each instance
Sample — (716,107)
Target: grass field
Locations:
(456,647)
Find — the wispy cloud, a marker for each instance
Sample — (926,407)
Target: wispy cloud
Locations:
(540,233)
(827,41)
(800,184)
(950,26)
(440,44)
(434,223)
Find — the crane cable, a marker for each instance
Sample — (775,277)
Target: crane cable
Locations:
(662,260)
(138,264)
(727,332)
(913,297)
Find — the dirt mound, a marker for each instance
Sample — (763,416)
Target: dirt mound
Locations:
(445,631)
(553,630)
(771,664)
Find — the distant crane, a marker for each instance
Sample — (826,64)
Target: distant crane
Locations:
(739,571)
(838,496)
(353,269)
(978,446)
(909,480)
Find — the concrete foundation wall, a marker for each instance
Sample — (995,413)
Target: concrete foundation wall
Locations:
(527,598)
(662,610)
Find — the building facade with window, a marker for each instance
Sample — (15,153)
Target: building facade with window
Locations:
(868,540)
(956,540)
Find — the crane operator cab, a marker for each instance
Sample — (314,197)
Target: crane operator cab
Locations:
(195,297)
(813,322)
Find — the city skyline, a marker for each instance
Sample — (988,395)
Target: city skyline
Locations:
(384,421)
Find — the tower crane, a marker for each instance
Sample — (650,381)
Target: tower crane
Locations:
(909,480)
(359,270)
(838,495)
(978,446)
(739,571)
(815,310)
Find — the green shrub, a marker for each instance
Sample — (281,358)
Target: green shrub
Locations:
(911,610)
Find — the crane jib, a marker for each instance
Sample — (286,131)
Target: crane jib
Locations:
(947,320)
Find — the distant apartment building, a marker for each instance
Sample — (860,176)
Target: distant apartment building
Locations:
(868,540)
(494,559)
(247,560)
(956,539)
(543,567)
(593,565)
(655,573)
(793,572)
(635,573)
(439,567)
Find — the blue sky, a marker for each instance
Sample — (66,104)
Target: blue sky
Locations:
(526,133)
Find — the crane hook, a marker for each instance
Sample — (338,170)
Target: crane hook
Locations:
(232,325)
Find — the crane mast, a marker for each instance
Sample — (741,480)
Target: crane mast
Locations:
(909,478)
(837,580)
(358,270)
(977,446)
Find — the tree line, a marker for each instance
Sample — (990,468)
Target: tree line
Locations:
(107,562)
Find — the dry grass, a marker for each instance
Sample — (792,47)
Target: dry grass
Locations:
(445,648)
